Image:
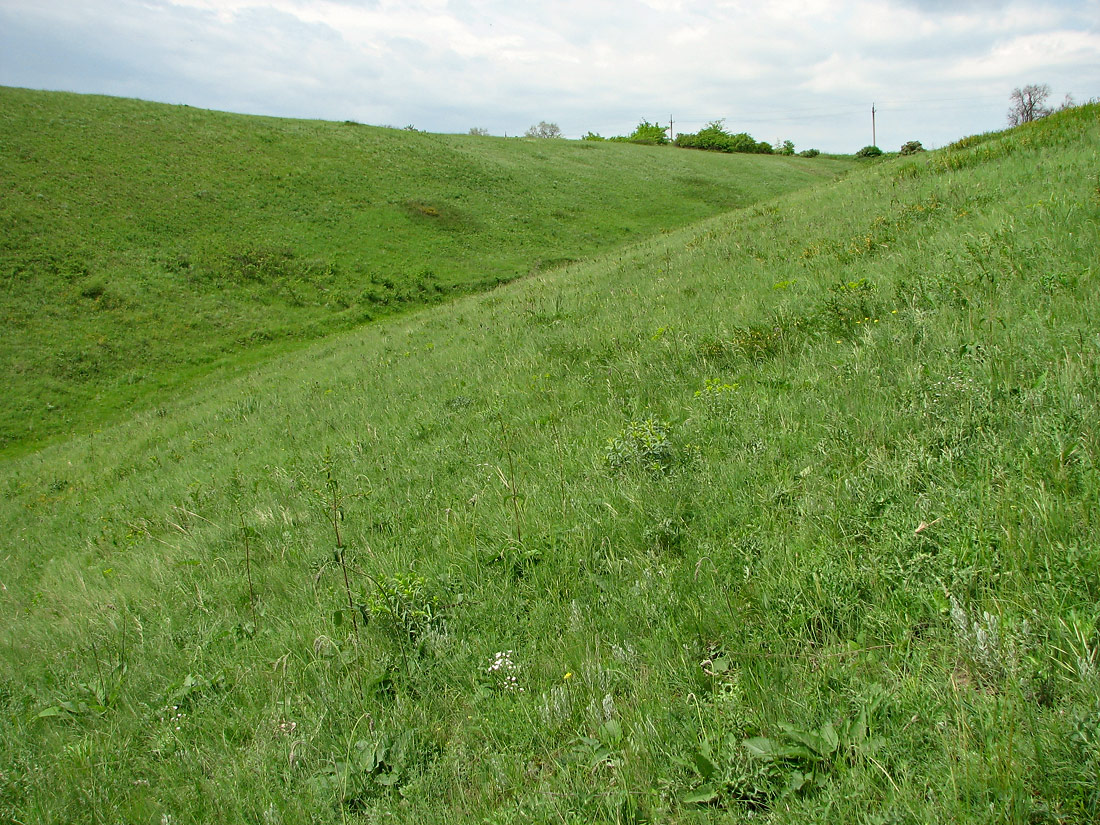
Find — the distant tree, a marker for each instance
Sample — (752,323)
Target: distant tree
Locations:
(1067,103)
(784,148)
(648,133)
(1027,104)
(911,148)
(479,132)
(809,153)
(544,130)
(869,152)
(593,136)
(715,138)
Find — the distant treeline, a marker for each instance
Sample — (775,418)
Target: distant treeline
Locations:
(712,137)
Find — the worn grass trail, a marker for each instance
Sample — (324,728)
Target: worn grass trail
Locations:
(788,516)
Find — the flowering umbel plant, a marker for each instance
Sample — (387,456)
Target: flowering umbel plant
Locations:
(504,672)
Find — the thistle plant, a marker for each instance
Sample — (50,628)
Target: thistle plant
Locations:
(236,486)
(246,533)
(510,481)
(336,512)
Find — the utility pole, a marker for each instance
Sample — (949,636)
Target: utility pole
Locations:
(671,134)
(874,137)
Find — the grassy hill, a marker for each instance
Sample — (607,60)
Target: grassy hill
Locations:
(142,245)
(787,516)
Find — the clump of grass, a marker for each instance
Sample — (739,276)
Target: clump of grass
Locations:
(716,397)
(993,651)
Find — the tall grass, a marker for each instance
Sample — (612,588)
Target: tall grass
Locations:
(789,516)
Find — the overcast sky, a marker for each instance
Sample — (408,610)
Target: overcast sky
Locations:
(803,70)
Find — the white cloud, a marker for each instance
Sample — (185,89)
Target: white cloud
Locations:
(1034,53)
(803,69)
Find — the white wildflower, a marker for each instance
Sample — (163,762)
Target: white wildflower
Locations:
(504,672)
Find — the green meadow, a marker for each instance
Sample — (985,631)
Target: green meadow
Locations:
(146,246)
(785,511)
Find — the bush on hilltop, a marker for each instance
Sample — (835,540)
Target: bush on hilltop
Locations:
(714,137)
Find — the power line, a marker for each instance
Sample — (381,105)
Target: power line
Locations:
(828,112)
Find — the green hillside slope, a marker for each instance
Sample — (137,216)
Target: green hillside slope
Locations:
(789,516)
(141,243)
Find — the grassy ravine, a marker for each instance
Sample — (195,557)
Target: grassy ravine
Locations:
(790,516)
(143,245)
